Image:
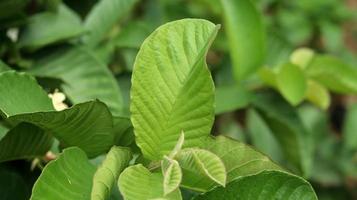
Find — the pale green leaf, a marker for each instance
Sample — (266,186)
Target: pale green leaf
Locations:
(87,125)
(292,83)
(318,94)
(201,166)
(246,36)
(230,98)
(239,160)
(333,74)
(95,82)
(108,172)
(172,175)
(302,57)
(172,89)
(138,183)
(275,185)
(24,141)
(69,177)
(50,27)
(178,145)
(288,129)
(103,17)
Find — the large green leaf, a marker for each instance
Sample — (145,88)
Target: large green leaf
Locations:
(172,89)
(239,159)
(291,82)
(138,183)
(288,129)
(69,177)
(50,27)
(275,185)
(85,77)
(333,73)
(24,141)
(87,125)
(246,36)
(102,18)
(108,172)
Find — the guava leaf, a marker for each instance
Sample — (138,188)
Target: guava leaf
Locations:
(95,82)
(50,27)
(87,125)
(200,167)
(24,141)
(172,173)
(69,177)
(108,172)
(264,185)
(102,18)
(172,89)
(138,183)
(246,36)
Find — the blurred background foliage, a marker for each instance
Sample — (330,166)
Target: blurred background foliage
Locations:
(315,138)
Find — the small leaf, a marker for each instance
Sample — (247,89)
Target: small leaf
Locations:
(333,74)
(291,82)
(172,175)
(243,21)
(318,94)
(69,177)
(172,89)
(50,27)
(24,141)
(198,163)
(302,57)
(275,185)
(108,172)
(178,145)
(138,183)
(103,17)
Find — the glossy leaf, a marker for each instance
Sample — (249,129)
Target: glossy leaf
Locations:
(291,82)
(50,27)
(201,167)
(138,183)
(333,74)
(95,82)
(69,177)
(246,36)
(265,185)
(172,173)
(87,125)
(172,89)
(103,17)
(108,172)
(23,142)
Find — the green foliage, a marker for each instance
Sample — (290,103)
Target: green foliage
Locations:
(138,100)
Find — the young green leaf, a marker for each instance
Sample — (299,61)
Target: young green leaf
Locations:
(50,27)
(275,185)
(87,125)
(24,141)
(178,145)
(291,82)
(202,166)
(103,17)
(108,172)
(69,177)
(172,175)
(95,82)
(138,183)
(246,35)
(318,94)
(333,74)
(172,89)
(302,57)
